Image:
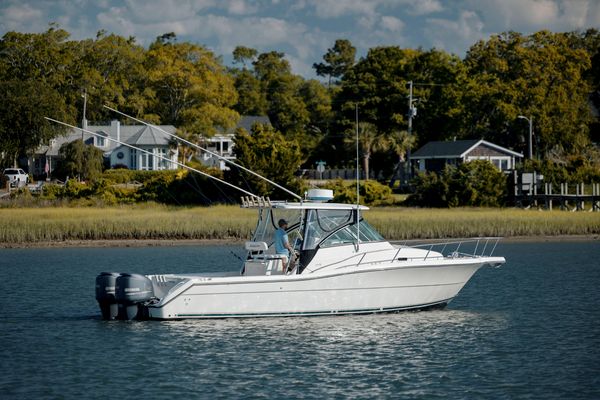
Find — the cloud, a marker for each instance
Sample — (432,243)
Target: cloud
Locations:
(455,36)
(15,16)
(241,7)
(156,11)
(392,23)
(422,7)
(532,15)
(337,8)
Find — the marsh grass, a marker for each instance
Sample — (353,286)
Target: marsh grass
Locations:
(408,223)
(151,221)
(23,225)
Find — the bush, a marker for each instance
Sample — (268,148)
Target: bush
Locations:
(431,190)
(371,192)
(565,168)
(127,176)
(476,183)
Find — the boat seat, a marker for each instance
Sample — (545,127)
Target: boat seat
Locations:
(256,246)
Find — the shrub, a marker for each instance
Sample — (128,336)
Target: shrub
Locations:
(474,183)
(371,192)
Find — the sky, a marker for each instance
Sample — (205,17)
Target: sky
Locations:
(303,29)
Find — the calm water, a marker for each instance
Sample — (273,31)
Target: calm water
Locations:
(528,330)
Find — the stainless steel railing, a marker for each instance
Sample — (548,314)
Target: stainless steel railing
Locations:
(472,248)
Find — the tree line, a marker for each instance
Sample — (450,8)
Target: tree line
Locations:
(553,78)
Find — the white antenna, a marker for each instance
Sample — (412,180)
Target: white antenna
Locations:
(357,187)
(203,149)
(155,155)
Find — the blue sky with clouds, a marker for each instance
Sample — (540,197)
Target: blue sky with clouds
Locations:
(303,29)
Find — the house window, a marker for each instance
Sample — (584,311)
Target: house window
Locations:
(100,141)
(147,162)
(504,165)
(161,161)
(133,159)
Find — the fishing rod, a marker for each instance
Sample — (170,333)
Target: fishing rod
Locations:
(155,155)
(205,150)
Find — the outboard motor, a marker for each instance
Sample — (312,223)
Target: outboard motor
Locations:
(105,294)
(132,290)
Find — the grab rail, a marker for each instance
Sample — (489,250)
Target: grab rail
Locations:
(454,253)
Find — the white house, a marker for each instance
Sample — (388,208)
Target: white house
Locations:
(117,155)
(435,155)
(222,143)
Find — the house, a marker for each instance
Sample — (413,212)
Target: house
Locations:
(222,143)
(116,155)
(435,155)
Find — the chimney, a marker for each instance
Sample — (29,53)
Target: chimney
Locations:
(115,127)
(84,123)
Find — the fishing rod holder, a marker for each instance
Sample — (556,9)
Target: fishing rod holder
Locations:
(253,202)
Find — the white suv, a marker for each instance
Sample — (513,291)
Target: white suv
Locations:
(16,176)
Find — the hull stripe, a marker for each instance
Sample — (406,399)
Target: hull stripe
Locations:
(313,313)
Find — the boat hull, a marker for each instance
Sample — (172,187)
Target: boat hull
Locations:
(385,288)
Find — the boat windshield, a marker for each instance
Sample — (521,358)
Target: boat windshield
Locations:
(267,225)
(333,227)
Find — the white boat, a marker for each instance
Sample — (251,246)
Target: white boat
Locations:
(344,267)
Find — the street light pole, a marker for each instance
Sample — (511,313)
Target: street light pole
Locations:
(530,120)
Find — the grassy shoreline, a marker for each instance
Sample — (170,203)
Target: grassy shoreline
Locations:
(22,227)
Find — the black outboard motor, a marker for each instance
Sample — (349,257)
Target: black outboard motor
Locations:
(132,290)
(105,294)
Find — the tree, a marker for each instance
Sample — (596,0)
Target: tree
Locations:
(285,106)
(32,74)
(23,106)
(379,84)
(110,70)
(369,141)
(243,55)
(192,88)
(475,183)
(399,142)
(268,153)
(79,159)
(252,99)
(338,60)
(540,75)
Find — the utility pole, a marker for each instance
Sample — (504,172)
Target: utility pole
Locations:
(84,120)
(530,120)
(412,112)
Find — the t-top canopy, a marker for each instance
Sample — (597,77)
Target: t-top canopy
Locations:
(249,202)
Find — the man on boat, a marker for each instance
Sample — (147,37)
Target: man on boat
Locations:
(282,245)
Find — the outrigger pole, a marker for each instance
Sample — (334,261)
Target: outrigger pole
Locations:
(157,156)
(205,150)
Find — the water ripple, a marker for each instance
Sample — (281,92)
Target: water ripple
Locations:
(525,331)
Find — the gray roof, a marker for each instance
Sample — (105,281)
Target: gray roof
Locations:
(148,136)
(136,135)
(456,149)
(247,121)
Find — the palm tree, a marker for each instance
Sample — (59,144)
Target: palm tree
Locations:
(399,142)
(369,141)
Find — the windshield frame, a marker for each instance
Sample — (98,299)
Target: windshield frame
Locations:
(311,244)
